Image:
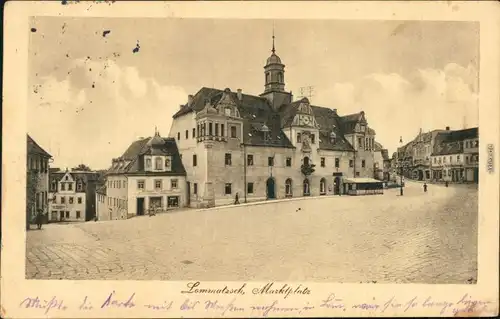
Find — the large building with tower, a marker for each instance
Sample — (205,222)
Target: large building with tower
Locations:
(225,144)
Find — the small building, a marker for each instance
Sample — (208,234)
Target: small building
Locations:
(72,195)
(363,186)
(471,155)
(148,176)
(37,178)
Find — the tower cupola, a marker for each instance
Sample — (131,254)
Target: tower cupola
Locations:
(274,72)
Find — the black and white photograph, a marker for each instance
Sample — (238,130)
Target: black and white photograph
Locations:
(271,150)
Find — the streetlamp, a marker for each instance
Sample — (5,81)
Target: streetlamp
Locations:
(401,167)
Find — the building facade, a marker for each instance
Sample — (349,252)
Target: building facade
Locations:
(148,177)
(267,146)
(37,178)
(72,195)
(455,156)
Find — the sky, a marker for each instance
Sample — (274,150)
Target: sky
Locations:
(91,94)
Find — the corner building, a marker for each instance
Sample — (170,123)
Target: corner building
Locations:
(267,146)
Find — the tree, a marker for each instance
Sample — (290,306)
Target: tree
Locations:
(82,167)
(307,169)
(32,183)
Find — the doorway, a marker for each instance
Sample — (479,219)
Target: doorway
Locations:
(306,190)
(140,206)
(188,194)
(270,187)
(336,186)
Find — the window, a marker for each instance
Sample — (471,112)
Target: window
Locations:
(306,190)
(299,138)
(227,189)
(78,214)
(148,163)
(268,77)
(337,162)
(435,160)
(360,142)
(158,163)
(476,144)
(351,163)
(288,187)
(173,201)
(270,161)
(167,163)
(195,189)
(288,161)
(313,138)
(66,178)
(458,158)
(227,159)
(227,111)
(173,183)
(158,184)
(210,131)
(53,186)
(444,159)
(140,185)
(250,188)
(233,131)
(322,186)
(194,133)
(249,160)
(322,162)
(306,161)
(61,214)
(67,214)
(178,136)
(216,129)
(53,215)
(450,160)
(63,200)
(79,200)
(71,199)
(79,186)
(63,186)
(195,160)
(357,174)
(363,163)
(467,159)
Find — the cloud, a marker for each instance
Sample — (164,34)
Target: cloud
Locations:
(94,113)
(399,106)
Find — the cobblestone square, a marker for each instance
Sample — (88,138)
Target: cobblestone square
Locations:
(417,238)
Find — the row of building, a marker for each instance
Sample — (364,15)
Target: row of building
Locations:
(440,156)
(62,195)
(225,144)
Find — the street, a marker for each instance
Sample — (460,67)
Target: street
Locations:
(416,238)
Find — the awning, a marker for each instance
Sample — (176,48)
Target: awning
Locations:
(361,180)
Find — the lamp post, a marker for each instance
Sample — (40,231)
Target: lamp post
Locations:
(401,167)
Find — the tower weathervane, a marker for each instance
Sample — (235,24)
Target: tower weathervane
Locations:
(273,50)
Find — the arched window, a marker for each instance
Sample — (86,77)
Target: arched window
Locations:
(288,187)
(280,77)
(322,186)
(268,77)
(306,189)
(167,163)
(306,161)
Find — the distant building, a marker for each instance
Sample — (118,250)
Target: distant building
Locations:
(148,176)
(37,167)
(450,161)
(72,195)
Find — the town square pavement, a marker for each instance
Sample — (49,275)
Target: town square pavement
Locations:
(416,238)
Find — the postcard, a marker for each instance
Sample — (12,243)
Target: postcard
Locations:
(250,159)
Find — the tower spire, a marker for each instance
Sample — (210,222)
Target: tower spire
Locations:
(273,50)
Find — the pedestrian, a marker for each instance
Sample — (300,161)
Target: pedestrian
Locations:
(446,183)
(425,187)
(236,199)
(38,218)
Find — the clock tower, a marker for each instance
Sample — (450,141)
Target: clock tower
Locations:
(274,88)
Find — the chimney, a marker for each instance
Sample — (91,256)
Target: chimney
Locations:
(190,100)
(447,128)
(240,96)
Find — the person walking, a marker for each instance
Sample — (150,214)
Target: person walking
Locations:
(425,187)
(236,199)
(38,218)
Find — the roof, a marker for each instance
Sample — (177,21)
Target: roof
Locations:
(130,163)
(451,142)
(34,148)
(256,111)
(361,180)
(82,176)
(101,190)
(378,147)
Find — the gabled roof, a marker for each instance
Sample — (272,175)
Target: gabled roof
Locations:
(34,148)
(101,190)
(130,163)
(451,142)
(78,176)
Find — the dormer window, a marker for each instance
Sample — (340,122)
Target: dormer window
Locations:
(148,163)
(158,163)
(227,111)
(333,137)
(363,128)
(79,186)
(167,164)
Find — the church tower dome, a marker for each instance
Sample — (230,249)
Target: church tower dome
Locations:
(274,72)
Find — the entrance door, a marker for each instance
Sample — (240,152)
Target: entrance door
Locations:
(188,195)
(476,174)
(140,206)
(336,187)
(420,175)
(270,185)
